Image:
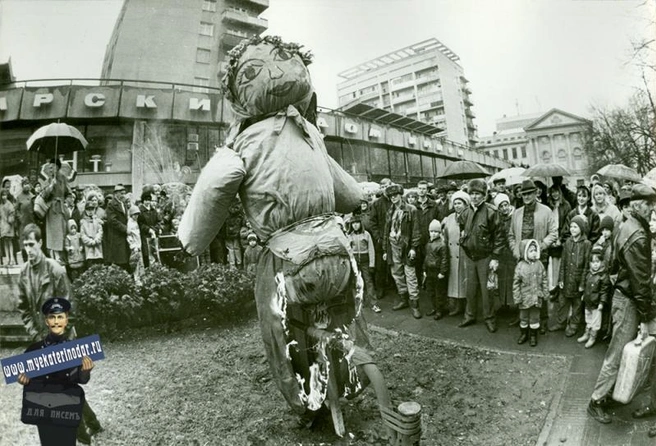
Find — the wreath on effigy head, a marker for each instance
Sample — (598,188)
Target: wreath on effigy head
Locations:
(235,54)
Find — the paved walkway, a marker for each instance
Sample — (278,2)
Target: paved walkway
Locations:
(567,422)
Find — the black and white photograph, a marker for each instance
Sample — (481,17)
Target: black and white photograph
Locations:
(327,222)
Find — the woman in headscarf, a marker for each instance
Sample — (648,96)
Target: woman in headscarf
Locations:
(458,260)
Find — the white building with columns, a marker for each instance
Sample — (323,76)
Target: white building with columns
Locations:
(552,137)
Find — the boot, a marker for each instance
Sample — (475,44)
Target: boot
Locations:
(453,307)
(533,337)
(414,305)
(402,303)
(592,339)
(585,337)
(523,337)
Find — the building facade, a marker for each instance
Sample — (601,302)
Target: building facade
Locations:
(552,137)
(423,81)
(183,42)
(141,135)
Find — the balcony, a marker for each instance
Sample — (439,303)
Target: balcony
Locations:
(256,24)
(428,78)
(469,112)
(230,40)
(258,5)
(467,101)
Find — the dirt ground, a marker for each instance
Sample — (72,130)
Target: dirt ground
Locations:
(205,385)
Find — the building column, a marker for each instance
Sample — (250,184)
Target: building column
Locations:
(570,155)
(551,147)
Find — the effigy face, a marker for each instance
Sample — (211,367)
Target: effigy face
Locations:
(268,78)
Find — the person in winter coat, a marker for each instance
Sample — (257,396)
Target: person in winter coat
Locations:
(24,209)
(7,223)
(400,240)
(530,288)
(633,305)
(233,224)
(365,256)
(507,261)
(149,225)
(74,251)
(116,230)
(605,244)
(252,253)
(459,263)
(573,267)
(560,209)
(483,240)
(54,193)
(426,212)
(134,243)
(377,216)
(91,234)
(601,204)
(436,271)
(595,297)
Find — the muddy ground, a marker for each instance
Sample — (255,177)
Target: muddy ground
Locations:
(199,384)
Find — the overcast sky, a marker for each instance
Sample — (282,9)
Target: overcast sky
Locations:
(523,56)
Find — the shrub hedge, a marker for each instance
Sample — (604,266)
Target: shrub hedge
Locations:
(107,300)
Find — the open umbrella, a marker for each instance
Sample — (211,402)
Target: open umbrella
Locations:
(56,139)
(650,178)
(620,172)
(464,170)
(547,170)
(512,175)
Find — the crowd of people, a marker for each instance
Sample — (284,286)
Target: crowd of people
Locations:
(477,248)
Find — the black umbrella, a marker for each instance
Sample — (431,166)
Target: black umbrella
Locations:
(56,139)
(464,170)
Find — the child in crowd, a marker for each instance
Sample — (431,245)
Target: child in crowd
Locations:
(605,242)
(530,288)
(233,225)
(7,234)
(365,256)
(134,242)
(573,267)
(436,270)
(252,253)
(74,251)
(91,234)
(595,296)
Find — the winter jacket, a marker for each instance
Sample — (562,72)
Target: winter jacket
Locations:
(251,257)
(36,284)
(134,235)
(483,234)
(545,228)
(74,250)
(574,265)
(91,234)
(116,233)
(378,216)
(7,219)
(563,209)
(597,289)
(436,260)
(425,214)
(592,219)
(530,285)
(633,256)
(410,235)
(363,247)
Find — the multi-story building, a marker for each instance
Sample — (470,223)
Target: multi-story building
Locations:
(183,42)
(423,81)
(552,137)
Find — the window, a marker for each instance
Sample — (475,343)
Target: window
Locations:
(505,154)
(206,29)
(514,152)
(523,151)
(202,55)
(209,5)
(201,82)
(496,154)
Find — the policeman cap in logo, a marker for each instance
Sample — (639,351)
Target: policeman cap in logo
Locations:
(56,305)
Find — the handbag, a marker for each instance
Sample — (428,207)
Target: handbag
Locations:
(55,404)
(41,206)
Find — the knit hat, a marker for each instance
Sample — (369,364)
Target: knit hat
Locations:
(461,195)
(134,210)
(435,226)
(356,218)
(500,198)
(607,223)
(251,236)
(597,250)
(477,185)
(581,223)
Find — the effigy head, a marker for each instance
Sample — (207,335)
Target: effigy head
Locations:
(265,75)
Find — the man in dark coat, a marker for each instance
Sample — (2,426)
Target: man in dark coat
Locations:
(633,305)
(117,250)
(149,227)
(426,212)
(483,241)
(400,243)
(377,217)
